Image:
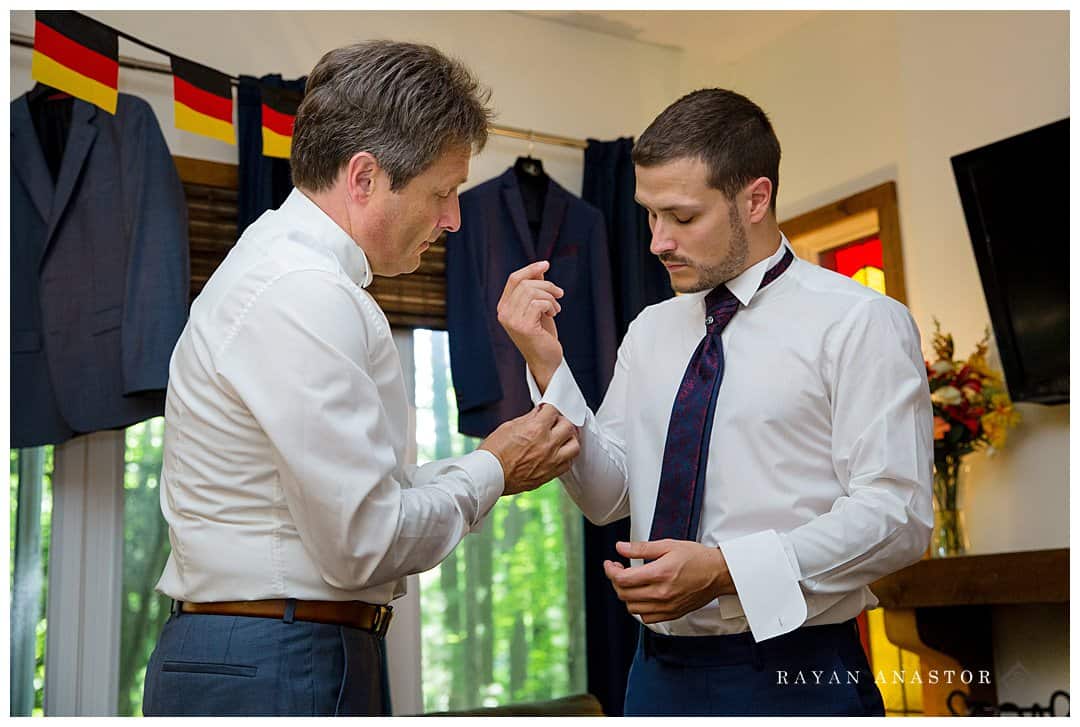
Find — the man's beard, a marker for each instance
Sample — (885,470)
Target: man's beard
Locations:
(710,276)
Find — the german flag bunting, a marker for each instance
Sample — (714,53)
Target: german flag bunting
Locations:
(202,100)
(80,56)
(279,107)
(77,55)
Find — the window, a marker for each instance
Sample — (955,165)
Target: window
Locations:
(502,617)
(858,236)
(861,261)
(31,520)
(143,611)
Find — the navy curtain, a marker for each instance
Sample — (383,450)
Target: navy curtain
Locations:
(638,277)
(265,182)
(638,280)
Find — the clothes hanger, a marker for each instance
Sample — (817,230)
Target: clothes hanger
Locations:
(527,167)
(41,92)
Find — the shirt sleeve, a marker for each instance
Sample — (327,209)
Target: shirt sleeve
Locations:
(597,481)
(300,361)
(882,453)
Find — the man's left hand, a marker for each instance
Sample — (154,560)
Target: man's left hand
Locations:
(682,577)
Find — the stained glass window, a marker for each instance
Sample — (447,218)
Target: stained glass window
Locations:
(861,261)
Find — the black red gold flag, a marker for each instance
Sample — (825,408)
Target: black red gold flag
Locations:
(278,114)
(202,100)
(77,55)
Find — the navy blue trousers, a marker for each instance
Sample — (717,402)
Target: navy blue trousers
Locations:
(815,670)
(207,665)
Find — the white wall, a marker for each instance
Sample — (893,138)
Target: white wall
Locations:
(861,98)
(546,76)
(969,79)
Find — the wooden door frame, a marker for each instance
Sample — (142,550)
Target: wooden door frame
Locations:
(872,212)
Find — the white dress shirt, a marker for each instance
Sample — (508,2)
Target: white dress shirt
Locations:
(820,462)
(286,418)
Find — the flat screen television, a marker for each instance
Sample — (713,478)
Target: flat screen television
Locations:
(1015,195)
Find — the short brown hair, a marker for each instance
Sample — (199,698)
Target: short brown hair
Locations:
(405,103)
(724,129)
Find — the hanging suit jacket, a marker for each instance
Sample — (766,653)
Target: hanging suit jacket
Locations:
(494,241)
(99,273)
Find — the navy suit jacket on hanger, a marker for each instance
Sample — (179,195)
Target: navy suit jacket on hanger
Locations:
(494,241)
(99,273)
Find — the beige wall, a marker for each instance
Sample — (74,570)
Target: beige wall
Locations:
(861,98)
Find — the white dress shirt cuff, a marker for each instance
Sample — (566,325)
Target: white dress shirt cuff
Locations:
(486,472)
(768,588)
(562,393)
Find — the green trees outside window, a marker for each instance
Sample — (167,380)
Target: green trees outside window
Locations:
(146,548)
(503,615)
(31,526)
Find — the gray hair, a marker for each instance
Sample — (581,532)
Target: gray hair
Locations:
(404,103)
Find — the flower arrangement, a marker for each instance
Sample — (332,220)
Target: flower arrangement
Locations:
(972,411)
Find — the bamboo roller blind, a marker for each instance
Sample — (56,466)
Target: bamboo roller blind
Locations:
(417,300)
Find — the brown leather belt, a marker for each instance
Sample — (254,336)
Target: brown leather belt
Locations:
(357,614)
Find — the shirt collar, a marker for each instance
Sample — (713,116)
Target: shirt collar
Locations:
(746,284)
(323,231)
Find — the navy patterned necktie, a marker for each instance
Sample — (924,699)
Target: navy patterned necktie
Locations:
(686,453)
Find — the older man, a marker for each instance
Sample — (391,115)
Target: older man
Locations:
(292,513)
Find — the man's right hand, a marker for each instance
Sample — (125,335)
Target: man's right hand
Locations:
(527,311)
(533,448)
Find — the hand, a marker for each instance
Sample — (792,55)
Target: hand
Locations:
(533,449)
(682,577)
(527,311)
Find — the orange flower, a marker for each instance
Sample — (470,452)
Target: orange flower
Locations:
(941,427)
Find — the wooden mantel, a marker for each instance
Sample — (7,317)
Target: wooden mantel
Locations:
(1034,576)
(942,610)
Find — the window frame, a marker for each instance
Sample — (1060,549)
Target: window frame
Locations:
(870,212)
(82,641)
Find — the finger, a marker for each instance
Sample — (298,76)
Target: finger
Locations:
(547,414)
(640,575)
(647,608)
(563,430)
(534,271)
(567,453)
(535,312)
(611,569)
(531,290)
(522,297)
(641,594)
(645,550)
(544,286)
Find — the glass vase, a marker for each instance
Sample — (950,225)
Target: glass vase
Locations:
(949,538)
